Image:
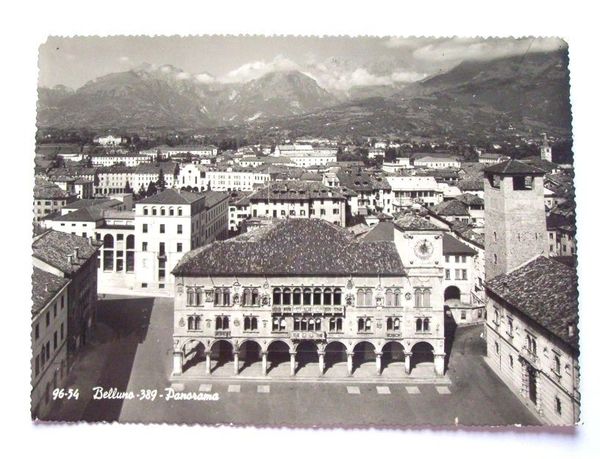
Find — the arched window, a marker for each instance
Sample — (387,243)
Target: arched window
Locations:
(360,297)
(145,210)
(190,297)
(219,323)
(179,211)
(327,297)
(367,324)
(317,296)
(361,324)
(557,364)
(426,325)
(297,297)
(130,242)
(390,323)
(225,323)
(198,297)
(287,296)
(191,323)
(418,298)
(218,297)
(307,296)
(254,323)
(389,297)
(171,211)
(426,298)
(109,241)
(419,324)
(369,297)
(337,297)
(304,324)
(311,324)
(162,211)
(255,297)
(246,323)
(277,296)
(246,297)
(197,320)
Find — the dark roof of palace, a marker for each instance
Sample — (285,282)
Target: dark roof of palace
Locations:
(452,246)
(44,287)
(43,189)
(54,247)
(295,190)
(171,196)
(411,221)
(383,231)
(293,247)
(545,291)
(514,166)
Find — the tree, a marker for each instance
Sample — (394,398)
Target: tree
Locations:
(161,180)
(128,188)
(142,192)
(96,179)
(151,189)
(176,172)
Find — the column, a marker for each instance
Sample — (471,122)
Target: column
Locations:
(292,363)
(177,363)
(378,363)
(264,364)
(407,362)
(321,363)
(349,362)
(236,362)
(208,363)
(439,363)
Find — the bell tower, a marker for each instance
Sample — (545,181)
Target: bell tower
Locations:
(515,218)
(546,149)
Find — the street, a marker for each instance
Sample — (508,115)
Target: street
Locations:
(133,353)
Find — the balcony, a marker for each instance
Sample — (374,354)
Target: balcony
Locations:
(223,334)
(530,357)
(317,335)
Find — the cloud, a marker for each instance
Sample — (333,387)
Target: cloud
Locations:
(204,78)
(256,69)
(183,76)
(343,80)
(124,59)
(458,49)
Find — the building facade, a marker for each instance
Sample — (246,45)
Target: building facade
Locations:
(319,295)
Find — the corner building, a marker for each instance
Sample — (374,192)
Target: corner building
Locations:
(305,290)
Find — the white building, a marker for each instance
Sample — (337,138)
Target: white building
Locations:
(236,179)
(130,160)
(397,165)
(165,151)
(306,155)
(437,162)
(409,190)
(108,140)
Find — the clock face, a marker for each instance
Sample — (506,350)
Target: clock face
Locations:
(424,249)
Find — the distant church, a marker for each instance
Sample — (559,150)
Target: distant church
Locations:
(546,149)
(532,307)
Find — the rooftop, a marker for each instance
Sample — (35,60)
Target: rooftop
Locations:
(43,189)
(44,287)
(514,167)
(545,291)
(295,190)
(171,196)
(294,247)
(451,208)
(55,247)
(452,246)
(412,221)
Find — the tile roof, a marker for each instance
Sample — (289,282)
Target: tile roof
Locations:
(43,189)
(412,221)
(470,184)
(545,291)
(85,214)
(54,247)
(453,207)
(102,202)
(154,168)
(383,231)
(452,246)
(514,166)
(212,198)
(171,196)
(295,247)
(362,181)
(295,190)
(44,287)
(470,199)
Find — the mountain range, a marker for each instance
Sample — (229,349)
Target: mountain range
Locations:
(527,93)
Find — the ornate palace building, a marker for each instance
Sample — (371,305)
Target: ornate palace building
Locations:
(305,290)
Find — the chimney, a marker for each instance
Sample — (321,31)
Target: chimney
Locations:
(76,253)
(70,259)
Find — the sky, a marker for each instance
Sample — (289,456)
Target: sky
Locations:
(337,63)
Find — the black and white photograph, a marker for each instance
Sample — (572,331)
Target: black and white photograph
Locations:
(305,231)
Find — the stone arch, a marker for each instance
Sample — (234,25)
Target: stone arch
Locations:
(278,352)
(306,352)
(392,353)
(335,352)
(250,351)
(194,353)
(452,292)
(422,354)
(221,350)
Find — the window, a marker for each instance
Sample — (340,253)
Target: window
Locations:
(336,324)
(222,323)
(62,331)
(279,324)
(37,331)
(497,346)
(144,246)
(327,297)
(287,296)
(317,296)
(464,274)
(179,247)
(47,318)
(457,274)
(556,364)
(55,340)
(511,361)
(557,405)
(162,228)
(393,323)
(179,229)
(250,323)
(364,324)
(277,296)
(447,274)
(194,322)
(463,315)
(422,325)
(495,259)
(337,296)
(145,228)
